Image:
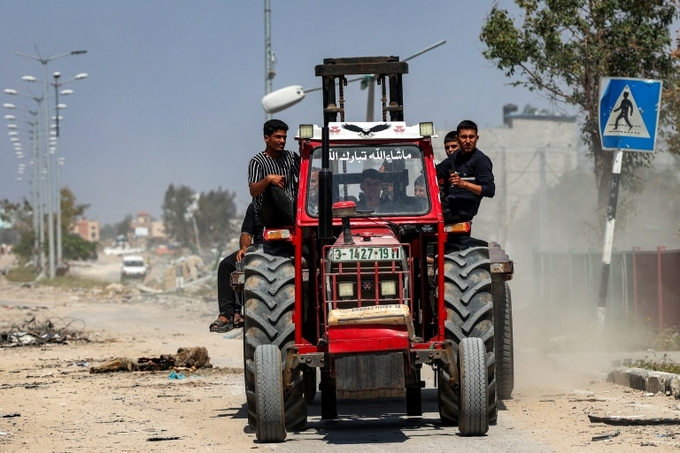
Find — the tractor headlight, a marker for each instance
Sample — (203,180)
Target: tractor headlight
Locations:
(346,289)
(306,131)
(388,288)
(426,129)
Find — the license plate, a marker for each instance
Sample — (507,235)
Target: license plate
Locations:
(347,254)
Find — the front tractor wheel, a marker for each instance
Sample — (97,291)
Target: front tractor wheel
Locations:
(469,314)
(270,417)
(474,416)
(268,311)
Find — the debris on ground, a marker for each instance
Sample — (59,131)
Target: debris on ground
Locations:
(159,439)
(633,420)
(24,307)
(117,364)
(35,333)
(186,359)
(607,436)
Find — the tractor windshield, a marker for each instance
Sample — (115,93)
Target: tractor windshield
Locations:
(385,180)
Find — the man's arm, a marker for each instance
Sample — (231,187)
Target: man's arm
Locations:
(484,185)
(443,170)
(257,180)
(457,181)
(248,230)
(485,177)
(257,188)
(245,241)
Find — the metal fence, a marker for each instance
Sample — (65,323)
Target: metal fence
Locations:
(644,286)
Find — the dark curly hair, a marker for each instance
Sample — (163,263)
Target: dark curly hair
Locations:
(274,125)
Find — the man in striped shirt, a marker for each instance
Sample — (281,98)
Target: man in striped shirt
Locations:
(273,178)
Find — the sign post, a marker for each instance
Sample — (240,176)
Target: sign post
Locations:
(628,118)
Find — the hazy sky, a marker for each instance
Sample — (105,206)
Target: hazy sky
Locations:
(174,89)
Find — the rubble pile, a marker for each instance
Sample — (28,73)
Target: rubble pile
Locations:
(35,333)
(185,359)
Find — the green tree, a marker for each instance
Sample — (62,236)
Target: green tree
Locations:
(77,248)
(216,209)
(107,232)
(20,233)
(24,249)
(176,218)
(112,231)
(124,227)
(18,215)
(71,211)
(74,246)
(563,47)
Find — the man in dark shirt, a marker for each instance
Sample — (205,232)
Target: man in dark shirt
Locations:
(466,176)
(251,234)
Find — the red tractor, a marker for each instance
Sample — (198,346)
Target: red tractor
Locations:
(351,289)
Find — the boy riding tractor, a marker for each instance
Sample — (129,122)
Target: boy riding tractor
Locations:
(347,288)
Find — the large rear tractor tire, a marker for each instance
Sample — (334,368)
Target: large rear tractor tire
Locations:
(474,416)
(271,421)
(268,312)
(505,356)
(469,314)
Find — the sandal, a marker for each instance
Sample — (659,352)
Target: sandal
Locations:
(238,320)
(221,325)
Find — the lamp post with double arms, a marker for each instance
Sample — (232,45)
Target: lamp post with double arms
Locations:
(37,192)
(44,61)
(58,160)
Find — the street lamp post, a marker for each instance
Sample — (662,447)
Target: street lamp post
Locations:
(44,61)
(56,150)
(58,160)
(37,195)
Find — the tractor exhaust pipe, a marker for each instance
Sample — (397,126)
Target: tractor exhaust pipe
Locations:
(325,193)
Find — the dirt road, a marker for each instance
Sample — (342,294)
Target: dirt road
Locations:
(49,402)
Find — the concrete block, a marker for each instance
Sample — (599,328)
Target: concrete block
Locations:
(654,383)
(637,378)
(618,376)
(675,386)
(647,381)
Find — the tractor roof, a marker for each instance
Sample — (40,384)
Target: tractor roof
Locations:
(362,131)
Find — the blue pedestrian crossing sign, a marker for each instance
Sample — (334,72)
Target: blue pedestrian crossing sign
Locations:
(629,113)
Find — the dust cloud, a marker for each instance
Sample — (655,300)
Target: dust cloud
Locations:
(557,276)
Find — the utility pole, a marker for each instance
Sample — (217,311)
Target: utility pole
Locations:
(503,233)
(268,70)
(56,76)
(368,82)
(542,201)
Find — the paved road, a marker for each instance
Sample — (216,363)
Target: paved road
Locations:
(379,426)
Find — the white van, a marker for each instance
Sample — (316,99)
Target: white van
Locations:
(133,267)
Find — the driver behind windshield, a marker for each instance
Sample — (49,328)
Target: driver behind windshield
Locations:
(371,187)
